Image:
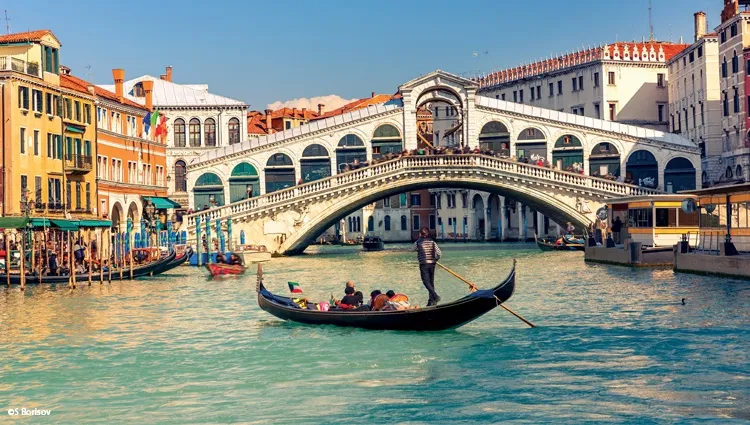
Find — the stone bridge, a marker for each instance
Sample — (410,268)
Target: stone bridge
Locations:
(288,220)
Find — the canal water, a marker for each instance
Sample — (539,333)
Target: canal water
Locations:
(613,345)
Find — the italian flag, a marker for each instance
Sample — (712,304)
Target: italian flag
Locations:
(295,288)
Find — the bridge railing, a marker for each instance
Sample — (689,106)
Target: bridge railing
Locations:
(406,163)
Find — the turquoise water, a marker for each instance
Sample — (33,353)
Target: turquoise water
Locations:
(613,345)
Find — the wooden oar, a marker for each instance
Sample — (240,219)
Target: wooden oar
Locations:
(474,288)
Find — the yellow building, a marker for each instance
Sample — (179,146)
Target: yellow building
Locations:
(49,132)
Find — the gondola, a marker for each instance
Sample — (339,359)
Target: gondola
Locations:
(221,269)
(373,243)
(574,243)
(179,259)
(150,269)
(545,245)
(436,318)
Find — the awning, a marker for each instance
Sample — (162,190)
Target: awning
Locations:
(13,222)
(161,203)
(40,222)
(72,129)
(94,223)
(65,224)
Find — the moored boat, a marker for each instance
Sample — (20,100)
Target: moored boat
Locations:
(221,269)
(435,318)
(373,243)
(253,253)
(547,245)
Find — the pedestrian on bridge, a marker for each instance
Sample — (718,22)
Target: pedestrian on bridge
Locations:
(428,254)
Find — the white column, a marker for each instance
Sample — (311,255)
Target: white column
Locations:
(540,224)
(521,230)
(501,219)
(487,225)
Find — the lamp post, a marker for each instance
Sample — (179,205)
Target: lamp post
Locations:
(150,210)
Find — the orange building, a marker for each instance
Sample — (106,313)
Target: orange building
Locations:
(130,163)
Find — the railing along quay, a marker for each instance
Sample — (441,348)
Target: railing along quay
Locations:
(407,163)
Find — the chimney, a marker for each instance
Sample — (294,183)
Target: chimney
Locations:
(304,113)
(119,77)
(169,74)
(321,108)
(269,127)
(700,25)
(372,94)
(91,89)
(148,89)
(163,77)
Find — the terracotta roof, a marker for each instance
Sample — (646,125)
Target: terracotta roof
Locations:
(20,37)
(80,85)
(256,123)
(359,104)
(293,113)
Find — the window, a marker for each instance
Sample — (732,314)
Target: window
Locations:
(612,111)
(387,223)
(36,143)
(660,112)
(671,116)
(36,97)
(451,200)
(180,176)
(692,56)
(520,96)
(434,200)
(23,140)
(700,51)
(78,195)
(660,80)
(580,110)
(88,196)
(725,104)
(703,122)
(48,104)
(538,92)
(532,94)
(415,199)
(515,96)
(87,114)
(78,110)
(575,84)
(733,30)
(684,61)
(724,68)
(38,190)
(551,89)
(580,82)
(432,222)
(387,202)
(464,200)
(404,225)
(596,79)
(287,125)
(194,127)
(611,78)
(666,217)
(23,97)
(24,186)
(679,122)
(68,109)
(640,217)
(724,36)
(695,121)
(502,96)
(415,223)
(559,87)
(234,131)
(735,63)
(179,133)
(597,112)
(736,101)
(209,128)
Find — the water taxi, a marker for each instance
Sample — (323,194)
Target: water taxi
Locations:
(655,220)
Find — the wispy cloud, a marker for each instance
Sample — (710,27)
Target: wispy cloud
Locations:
(330,101)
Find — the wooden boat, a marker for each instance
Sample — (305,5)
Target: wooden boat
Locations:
(181,256)
(435,318)
(574,243)
(373,243)
(150,269)
(221,269)
(253,253)
(546,245)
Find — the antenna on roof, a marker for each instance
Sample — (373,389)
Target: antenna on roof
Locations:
(89,74)
(650,23)
(7,22)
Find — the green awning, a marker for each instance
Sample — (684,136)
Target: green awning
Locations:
(162,203)
(13,222)
(40,222)
(74,129)
(65,224)
(94,223)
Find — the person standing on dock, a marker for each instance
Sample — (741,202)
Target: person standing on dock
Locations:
(428,253)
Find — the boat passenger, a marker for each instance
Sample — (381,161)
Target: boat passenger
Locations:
(235,260)
(349,301)
(53,264)
(220,258)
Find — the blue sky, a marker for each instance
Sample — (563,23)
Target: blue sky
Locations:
(265,51)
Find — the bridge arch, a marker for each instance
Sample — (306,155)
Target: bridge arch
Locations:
(244,182)
(387,138)
(642,168)
(208,191)
(495,136)
(315,224)
(532,140)
(117,216)
(350,147)
(604,159)
(315,163)
(679,174)
(567,152)
(279,172)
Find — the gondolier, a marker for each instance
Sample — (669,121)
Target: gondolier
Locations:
(428,253)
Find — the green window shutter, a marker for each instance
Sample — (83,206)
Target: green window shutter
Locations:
(58,140)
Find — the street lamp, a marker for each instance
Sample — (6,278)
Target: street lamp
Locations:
(150,210)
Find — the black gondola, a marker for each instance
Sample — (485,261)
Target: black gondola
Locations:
(441,317)
(373,243)
(546,245)
(574,243)
(151,269)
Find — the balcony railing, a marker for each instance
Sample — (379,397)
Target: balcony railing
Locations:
(8,63)
(55,206)
(78,163)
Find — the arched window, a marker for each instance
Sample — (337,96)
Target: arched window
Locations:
(386,139)
(404,224)
(387,221)
(209,128)
(244,182)
(195,133)
(679,174)
(279,172)
(180,172)
(179,133)
(370,224)
(728,174)
(315,163)
(234,131)
(350,149)
(208,191)
(738,172)
(494,137)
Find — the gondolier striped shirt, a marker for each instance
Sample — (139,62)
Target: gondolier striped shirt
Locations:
(428,251)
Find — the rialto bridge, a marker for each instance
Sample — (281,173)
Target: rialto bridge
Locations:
(286,188)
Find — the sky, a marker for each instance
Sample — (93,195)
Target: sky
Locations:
(264,52)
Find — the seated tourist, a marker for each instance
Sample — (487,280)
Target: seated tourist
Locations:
(220,259)
(350,301)
(235,260)
(378,301)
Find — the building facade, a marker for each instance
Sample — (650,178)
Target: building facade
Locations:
(695,99)
(734,39)
(622,82)
(197,121)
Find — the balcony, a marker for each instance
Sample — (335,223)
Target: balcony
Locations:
(8,63)
(78,164)
(55,206)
